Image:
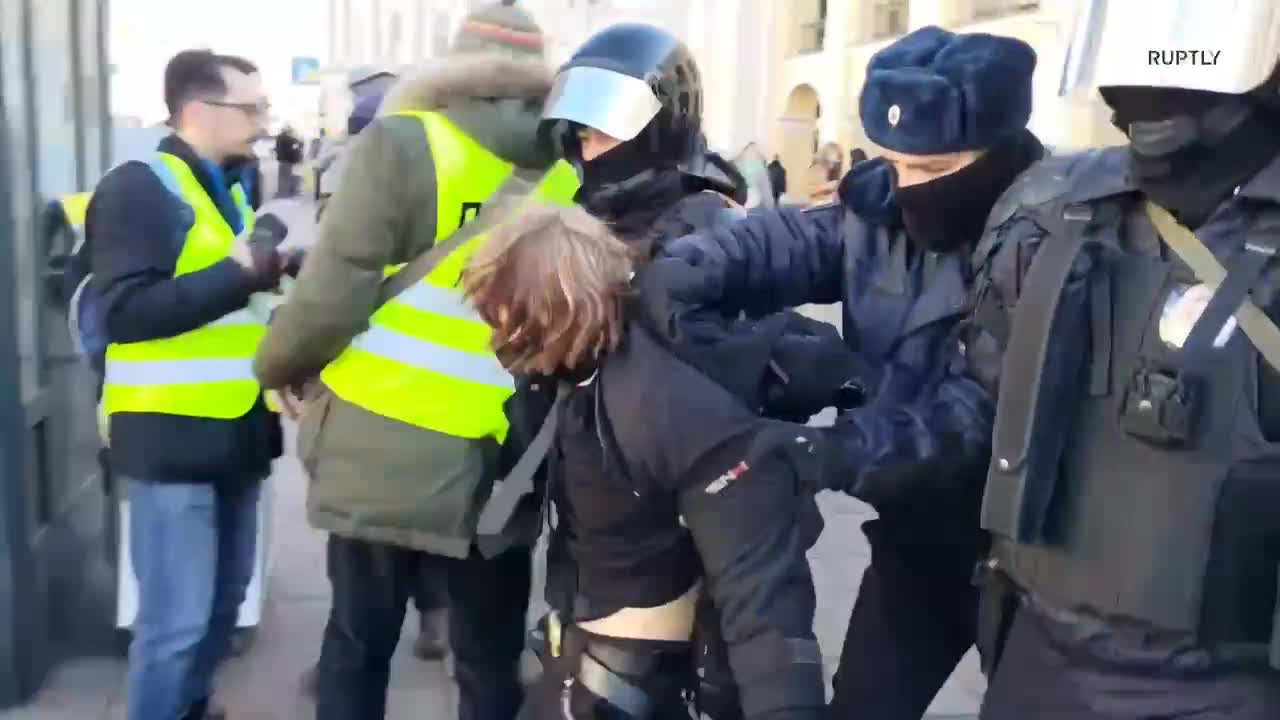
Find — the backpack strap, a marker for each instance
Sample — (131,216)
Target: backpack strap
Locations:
(1019,430)
(1231,285)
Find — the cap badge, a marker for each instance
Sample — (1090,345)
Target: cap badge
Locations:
(895,114)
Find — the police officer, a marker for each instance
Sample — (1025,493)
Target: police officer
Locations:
(626,110)
(1132,494)
(950,112)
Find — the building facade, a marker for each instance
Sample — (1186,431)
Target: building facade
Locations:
(145,34)
(56,585)
(824,46)
(730,39)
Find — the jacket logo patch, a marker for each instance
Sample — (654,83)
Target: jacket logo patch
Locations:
(1182,309)
(730,475)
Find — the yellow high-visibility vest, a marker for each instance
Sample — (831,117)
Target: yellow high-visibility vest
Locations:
(426,358)
(206,372)
(74,207)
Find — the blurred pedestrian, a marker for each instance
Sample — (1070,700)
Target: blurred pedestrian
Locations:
(288,155)
(777,179)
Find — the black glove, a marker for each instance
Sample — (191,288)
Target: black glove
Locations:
(812,369)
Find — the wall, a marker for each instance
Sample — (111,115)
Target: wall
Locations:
(55,584)
(838,71)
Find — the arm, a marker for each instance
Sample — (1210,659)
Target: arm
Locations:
(892,452)
(366,226)
(750,538)
(888,454)
(138,229)
(768,261)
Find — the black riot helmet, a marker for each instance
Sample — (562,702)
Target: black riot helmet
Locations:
(636,83)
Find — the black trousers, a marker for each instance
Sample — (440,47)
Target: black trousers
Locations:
(372,583)
(1036,680)
(914,619)
(431,590)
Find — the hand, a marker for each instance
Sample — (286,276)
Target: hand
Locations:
(286,403)
(692,249)
(681,282)
(294,400)
(263,262)
(242,253)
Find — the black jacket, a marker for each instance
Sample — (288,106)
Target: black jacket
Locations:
(665,469)
(667,472)
(136,229)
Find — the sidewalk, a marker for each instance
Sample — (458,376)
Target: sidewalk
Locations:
(263,685)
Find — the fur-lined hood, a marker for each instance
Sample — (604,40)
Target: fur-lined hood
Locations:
(496,99)
(448,80)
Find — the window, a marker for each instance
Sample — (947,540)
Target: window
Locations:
(810,37)
(888,18)
(988,9)
(811,33)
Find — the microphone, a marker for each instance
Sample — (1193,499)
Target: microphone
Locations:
(269,231)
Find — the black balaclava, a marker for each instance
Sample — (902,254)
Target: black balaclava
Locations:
(1190,149)
(617,166)
(950,212)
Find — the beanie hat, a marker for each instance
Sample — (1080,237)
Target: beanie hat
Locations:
(499,27)
(934,91)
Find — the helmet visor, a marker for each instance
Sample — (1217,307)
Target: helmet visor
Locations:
(615,104)
(1226,46)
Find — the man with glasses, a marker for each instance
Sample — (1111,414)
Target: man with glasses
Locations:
(189,431)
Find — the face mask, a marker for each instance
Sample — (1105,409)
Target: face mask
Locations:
(950,212)
(1189,150)
(621,163)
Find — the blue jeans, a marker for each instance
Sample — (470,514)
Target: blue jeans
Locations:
(192,548)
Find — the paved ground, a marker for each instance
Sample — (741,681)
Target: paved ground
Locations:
(262,685)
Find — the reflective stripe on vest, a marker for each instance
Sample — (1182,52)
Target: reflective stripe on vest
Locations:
(206,372)
(426,358)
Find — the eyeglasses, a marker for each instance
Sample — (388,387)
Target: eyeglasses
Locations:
(258,109)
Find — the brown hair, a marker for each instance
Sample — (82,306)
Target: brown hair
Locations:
(551,282)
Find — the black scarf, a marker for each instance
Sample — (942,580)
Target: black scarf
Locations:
(950,212)
(632,207)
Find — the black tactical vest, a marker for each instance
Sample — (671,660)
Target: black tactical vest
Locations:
(1130,479)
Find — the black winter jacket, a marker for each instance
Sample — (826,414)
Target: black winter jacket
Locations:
(665,470)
